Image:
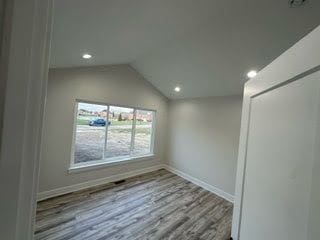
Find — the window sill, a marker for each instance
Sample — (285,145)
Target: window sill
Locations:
(106,163)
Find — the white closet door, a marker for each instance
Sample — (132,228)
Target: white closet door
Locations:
(278,176)
(280,151)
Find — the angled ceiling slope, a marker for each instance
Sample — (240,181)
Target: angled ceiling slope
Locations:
(205,46)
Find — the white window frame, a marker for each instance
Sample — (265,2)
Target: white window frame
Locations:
(78,167)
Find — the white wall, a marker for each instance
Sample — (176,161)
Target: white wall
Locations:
(118,84)
(203,139)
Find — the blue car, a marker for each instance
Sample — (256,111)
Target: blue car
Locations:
(98,122)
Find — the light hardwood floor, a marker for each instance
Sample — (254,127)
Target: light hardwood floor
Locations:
(157,205)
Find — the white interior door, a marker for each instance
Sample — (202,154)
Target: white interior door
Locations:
(278,178)
(280,150)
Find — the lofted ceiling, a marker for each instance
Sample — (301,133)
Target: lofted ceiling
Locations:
(204,46)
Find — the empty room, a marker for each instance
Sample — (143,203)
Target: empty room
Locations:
(158,119)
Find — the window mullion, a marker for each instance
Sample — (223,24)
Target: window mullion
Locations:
(106,134)
(133,133)
(153,129)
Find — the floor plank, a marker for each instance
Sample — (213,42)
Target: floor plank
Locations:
(157,205)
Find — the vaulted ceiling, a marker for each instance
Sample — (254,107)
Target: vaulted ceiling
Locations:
(204,46)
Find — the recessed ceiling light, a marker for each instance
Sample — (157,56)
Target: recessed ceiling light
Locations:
(177,89)
(86,56)
(252,74)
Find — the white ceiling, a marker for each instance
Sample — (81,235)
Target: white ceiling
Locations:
(204,46)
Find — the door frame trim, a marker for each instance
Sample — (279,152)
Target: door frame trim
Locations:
(297,62)
(25,67)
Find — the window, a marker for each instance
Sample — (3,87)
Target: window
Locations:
(119,132)
(143,132)
(108,133)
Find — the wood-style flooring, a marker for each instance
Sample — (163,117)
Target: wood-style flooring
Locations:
(156,205)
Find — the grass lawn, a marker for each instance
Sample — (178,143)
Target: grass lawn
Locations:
(81,121)
(117,123)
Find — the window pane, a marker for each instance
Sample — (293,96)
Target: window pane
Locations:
(119,132)
(90,134)
(143,133)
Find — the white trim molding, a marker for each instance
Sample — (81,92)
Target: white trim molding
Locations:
(76,187)
(201,183)
(24,70)
(86,166)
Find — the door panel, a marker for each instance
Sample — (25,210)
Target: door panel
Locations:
(280,158)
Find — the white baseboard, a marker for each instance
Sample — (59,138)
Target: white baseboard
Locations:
(200,183)
(72,188)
